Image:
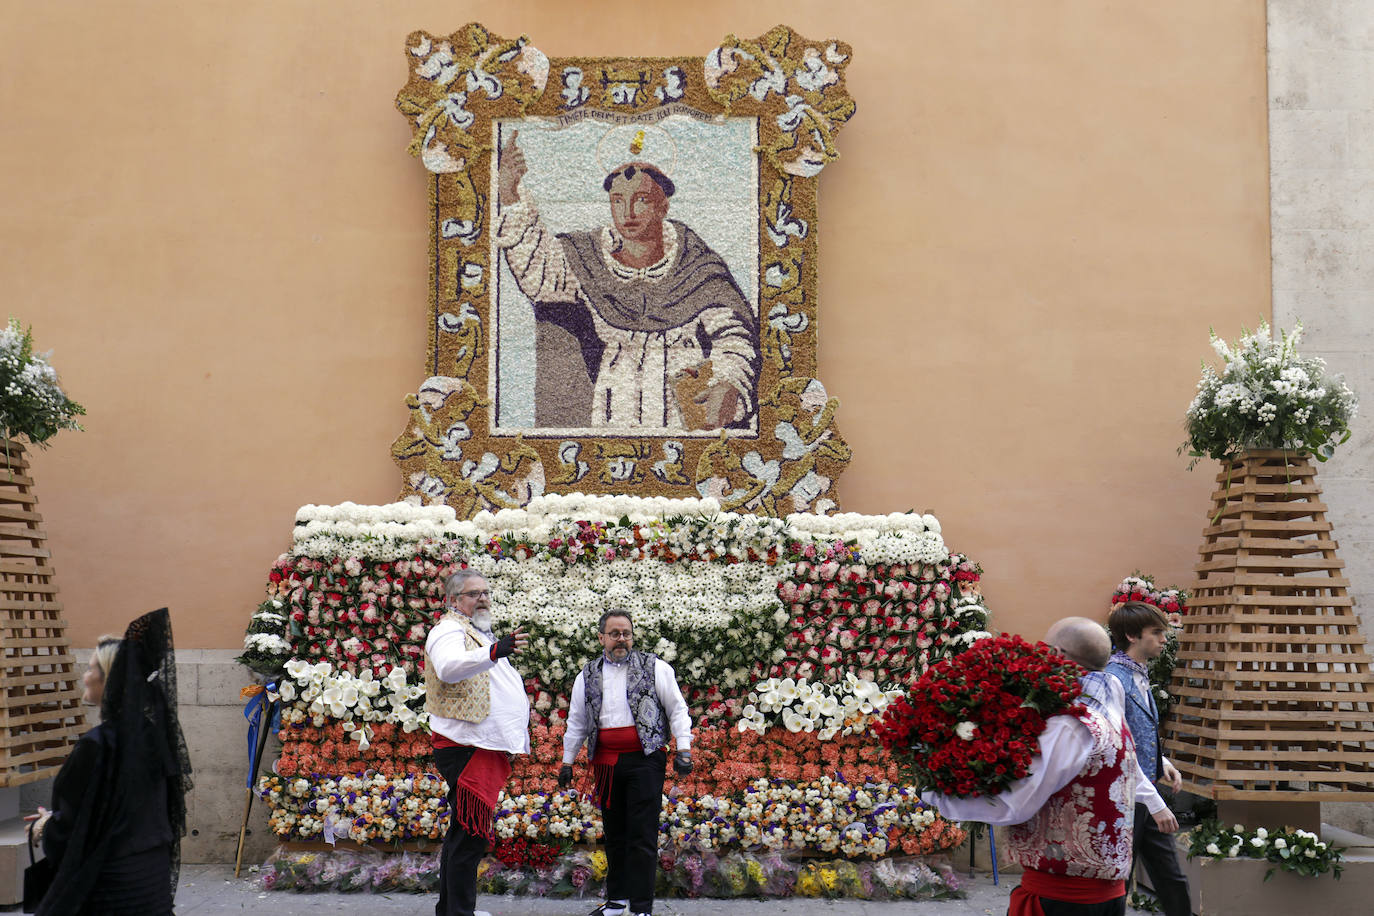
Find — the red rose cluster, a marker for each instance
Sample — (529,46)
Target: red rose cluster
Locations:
(523,853)
(970,725)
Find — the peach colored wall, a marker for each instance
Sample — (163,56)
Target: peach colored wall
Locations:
(1041,207)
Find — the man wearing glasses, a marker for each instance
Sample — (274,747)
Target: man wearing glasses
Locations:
(624,702)
(479,716)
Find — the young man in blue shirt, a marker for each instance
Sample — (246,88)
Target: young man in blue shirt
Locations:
(1140,632)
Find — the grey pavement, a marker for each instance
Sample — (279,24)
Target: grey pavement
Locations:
(207,889)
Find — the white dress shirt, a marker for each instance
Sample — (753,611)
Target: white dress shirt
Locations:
(615,707)
(507,725)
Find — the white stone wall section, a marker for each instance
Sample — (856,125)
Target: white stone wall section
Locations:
(1321,167)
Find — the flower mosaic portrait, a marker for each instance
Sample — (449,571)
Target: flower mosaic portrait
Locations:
(624,286)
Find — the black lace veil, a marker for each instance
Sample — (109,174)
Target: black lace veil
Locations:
(140,701)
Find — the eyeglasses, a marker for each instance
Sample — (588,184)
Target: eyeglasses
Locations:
(619,634)
(483,593)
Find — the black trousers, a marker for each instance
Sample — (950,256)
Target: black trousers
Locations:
(631,820)
(462,851)
(1156,849)
(1115,907)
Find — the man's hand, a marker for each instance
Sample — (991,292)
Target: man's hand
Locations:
(682,763)
(565,776)
(509,170)
(510,644)
(1165,820)
(1171,776)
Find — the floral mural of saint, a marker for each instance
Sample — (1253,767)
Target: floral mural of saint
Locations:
(646,327)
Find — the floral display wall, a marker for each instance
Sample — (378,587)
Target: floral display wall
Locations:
(788,635)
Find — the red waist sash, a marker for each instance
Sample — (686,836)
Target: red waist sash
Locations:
(1025,899)
(610,744)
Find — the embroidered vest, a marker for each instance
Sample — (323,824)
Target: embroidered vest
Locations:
(1085,829)
(1142,715)
(469,700)
(640,692)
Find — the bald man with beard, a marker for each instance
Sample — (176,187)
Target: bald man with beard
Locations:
(1072,818)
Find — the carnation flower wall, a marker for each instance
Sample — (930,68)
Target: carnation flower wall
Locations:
(789,636)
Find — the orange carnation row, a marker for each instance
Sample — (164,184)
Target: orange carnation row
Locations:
(307,750)
(726,760)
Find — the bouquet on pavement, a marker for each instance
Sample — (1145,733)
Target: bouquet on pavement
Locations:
(971,724)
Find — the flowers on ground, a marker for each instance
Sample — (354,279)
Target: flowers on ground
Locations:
(1267,396)
(970,724)
(512,869)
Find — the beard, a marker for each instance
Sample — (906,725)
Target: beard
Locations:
(482,619)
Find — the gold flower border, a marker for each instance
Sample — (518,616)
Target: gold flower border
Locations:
(458,86)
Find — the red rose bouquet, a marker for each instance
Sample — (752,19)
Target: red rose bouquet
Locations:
(970,725)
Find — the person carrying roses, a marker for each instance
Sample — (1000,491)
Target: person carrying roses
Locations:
(1072,817)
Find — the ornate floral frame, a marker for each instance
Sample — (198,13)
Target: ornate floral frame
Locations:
(459,87)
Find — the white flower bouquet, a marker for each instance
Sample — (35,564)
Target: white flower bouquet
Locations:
(32,404)
(1267,396)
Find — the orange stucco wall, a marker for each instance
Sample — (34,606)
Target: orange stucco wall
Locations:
(210,215)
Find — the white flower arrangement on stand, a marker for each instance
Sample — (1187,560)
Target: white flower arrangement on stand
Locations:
(1268,397)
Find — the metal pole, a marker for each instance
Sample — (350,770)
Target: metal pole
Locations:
(264,728)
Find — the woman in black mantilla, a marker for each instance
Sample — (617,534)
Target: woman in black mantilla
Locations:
(119,802)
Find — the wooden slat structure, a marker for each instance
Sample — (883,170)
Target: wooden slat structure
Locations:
(40,693)
(1275,697)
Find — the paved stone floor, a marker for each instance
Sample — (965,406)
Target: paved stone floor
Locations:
(207,889)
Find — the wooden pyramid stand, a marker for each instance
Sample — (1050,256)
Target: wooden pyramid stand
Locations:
(1275,698)
(40,695)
